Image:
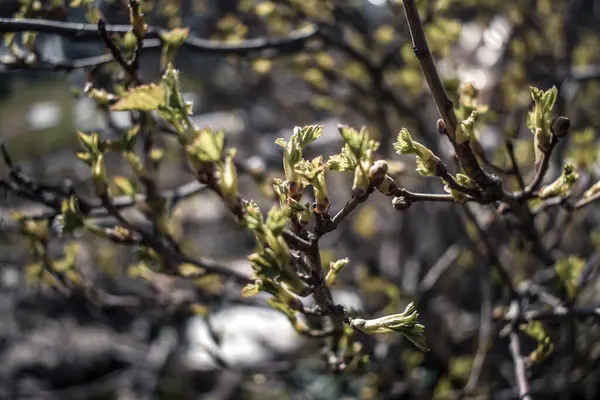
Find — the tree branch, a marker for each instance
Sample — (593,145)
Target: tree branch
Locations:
(294,42)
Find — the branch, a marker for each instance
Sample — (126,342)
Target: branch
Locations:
(295,41)
(50,65)
(295,241)
(116,52)
(443,103)
(350,206)
(421,49)
(515,170)
(492,254)
(541,170)
(446,198)
(584,202)
(520,369)
(557,313)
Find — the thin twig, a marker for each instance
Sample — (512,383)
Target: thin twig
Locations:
(445,107)
(520,368)
(540,172)
(295,41)
(116,52)
(516,171)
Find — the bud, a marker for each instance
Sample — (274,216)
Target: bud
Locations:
(561,126)
(377,172)
(360,184)
(441,127)
(136,17)
(388,187)
(334,269)
(561,186)
(401,203)
(229,182)
(304,215)
(468,90)
(465,129)
(592,191)
(99,176)
(406,323)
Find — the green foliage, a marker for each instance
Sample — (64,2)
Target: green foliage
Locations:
(427,162)
(540,118)
(405,323)
(378,75)
(569,269)
(535,329)
(561,187)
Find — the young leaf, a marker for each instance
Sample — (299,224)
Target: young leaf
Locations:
(143,98)
(207,146)
(569,269)
(343,162)
(125,186)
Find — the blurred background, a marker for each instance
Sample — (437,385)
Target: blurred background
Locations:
(358,70)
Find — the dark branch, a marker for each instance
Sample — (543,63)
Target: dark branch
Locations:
(294,42)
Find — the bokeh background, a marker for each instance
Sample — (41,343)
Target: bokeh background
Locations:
(360,70)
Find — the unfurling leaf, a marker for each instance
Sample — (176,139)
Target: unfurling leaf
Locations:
(427,162)
(125,186)
(207,146)
(172,41)
(535,330)
(540,118)
(334,269)
(568,269)
(562,186)
(406,323)
(343,162)
(142,98)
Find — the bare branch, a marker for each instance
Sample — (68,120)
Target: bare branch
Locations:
(292,43)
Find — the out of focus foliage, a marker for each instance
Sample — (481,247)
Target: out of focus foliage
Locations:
(487,225)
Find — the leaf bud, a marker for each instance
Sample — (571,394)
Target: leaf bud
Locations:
(377,172)
(561,126)
(401,203)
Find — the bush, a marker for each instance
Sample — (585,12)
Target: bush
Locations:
(511,239)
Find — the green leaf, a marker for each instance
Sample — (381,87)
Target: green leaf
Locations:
(536,330)
(250,290)
(208,145)
(90,142)
(354,139)
(175,37)
(129,138)
(404,145)
(253,217)
(142,98)
(562,186)
(343,162)
(308,134)
(422,168)
(172,41)
(125,186)
(549,99)
(569,269)
(277,217)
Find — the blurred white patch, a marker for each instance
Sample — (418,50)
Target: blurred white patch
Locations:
(480,78)
(470,36)
(232,122)
(87,116)
(246,336)
(122,119)
(44,115)
(10,278)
